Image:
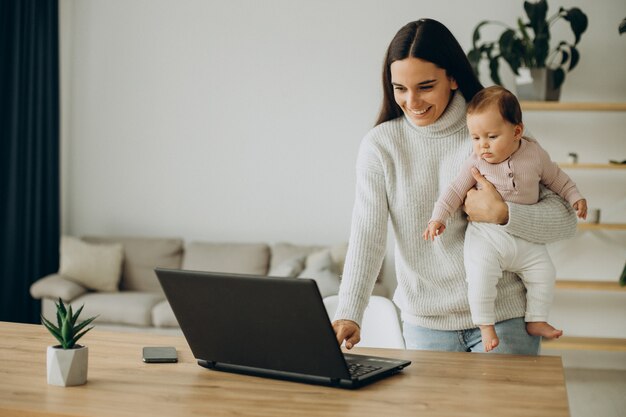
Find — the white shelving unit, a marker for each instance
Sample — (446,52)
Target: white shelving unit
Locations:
(565,284)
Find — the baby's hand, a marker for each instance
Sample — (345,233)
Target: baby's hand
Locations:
(434,229)
(581,208)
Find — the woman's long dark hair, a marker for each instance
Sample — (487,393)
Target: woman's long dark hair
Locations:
(431,41)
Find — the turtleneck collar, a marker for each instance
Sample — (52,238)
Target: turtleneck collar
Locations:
(451,121)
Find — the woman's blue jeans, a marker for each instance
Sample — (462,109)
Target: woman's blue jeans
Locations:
(512,335)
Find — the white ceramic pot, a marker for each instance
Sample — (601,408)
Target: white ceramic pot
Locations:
(67,367)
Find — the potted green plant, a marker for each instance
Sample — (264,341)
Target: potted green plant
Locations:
(67,362)
(526,49)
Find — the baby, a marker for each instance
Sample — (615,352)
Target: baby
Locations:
(515,165)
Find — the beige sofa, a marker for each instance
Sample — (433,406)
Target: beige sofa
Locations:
(136,301)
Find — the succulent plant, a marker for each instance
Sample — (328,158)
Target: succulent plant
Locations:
(67,332)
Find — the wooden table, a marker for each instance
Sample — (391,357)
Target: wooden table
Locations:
(120,384)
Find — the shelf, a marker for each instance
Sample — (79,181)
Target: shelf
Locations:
(606,286)
(601,226)
(585,343)
(564,106)
(570,284)
(592,166)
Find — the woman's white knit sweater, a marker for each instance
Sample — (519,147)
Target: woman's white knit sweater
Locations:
(401,171)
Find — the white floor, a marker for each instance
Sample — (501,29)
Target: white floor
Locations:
(596,382)
(596,392)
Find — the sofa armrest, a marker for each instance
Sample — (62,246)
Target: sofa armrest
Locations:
(56,286)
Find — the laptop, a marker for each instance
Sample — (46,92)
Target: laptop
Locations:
(265,326)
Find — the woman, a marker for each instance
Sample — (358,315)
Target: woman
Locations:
(412,154)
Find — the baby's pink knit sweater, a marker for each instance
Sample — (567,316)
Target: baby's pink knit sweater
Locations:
(516,179)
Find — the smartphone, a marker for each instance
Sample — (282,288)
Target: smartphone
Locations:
(163,354)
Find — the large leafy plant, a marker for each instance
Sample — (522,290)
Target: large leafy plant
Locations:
(528,45)
(67,332)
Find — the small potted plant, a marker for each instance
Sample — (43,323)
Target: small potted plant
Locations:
(67,362)
(526,49)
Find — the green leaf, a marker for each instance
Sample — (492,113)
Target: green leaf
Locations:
(622,278)
(525,45)
(529,8)
(522,28)
(75,316)
(473,57)
(494,67)
(66,331)
(59,319)
(476,34)
(83,324)
(70,316)
(511,49)
(52,329)
(559,77)
(49,325)
(61,308)
(522,51)
(541,49)
(485,49)
(78,336)
(536,13)
(578,21)
(575,58)
(564,56)
(622,26)
(506,39)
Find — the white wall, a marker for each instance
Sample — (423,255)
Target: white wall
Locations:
(240,120)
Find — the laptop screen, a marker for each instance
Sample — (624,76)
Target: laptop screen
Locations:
(261,322)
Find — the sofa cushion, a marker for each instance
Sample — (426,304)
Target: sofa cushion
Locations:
(242,258)
(56,286)
(289,268)
(94,266)
(141,256)
(163,315)
(319,267)
(283,252)
(127,307)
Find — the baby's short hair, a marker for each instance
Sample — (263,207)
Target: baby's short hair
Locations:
(506,101)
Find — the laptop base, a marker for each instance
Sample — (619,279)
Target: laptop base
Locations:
(311,379)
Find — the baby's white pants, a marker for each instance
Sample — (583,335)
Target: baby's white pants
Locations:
(489,250)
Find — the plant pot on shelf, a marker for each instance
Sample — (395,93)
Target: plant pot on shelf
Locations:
(536,84)
(67,367)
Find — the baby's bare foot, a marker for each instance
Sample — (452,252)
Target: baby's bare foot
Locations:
(489,336)
(541,328)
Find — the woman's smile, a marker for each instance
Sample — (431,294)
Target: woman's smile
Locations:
(420,112)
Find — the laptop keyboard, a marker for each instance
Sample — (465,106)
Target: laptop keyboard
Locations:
(358,369)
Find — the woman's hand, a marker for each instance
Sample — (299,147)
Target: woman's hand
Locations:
(485,205)
(347,330)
